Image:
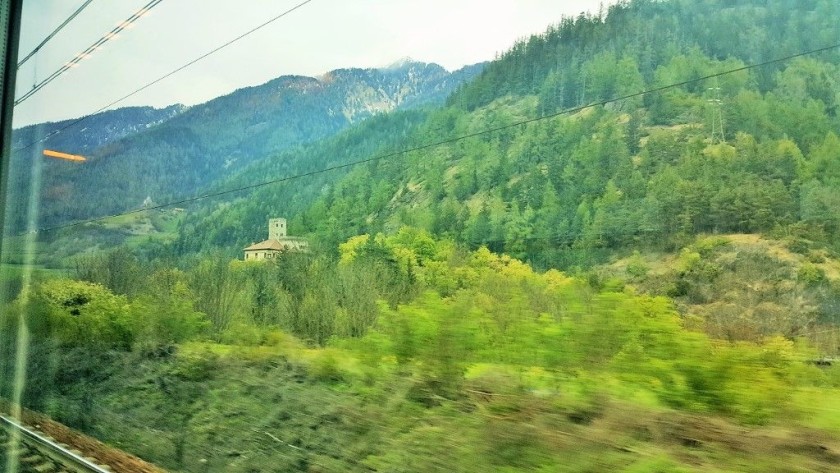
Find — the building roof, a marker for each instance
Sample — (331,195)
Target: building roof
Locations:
(267,245)
(277,245)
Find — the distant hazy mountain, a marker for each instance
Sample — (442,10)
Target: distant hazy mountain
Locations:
(134,153)
(94,131)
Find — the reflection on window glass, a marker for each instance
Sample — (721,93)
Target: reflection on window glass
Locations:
(554,237)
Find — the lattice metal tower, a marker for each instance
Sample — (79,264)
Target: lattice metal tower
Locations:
(718,134)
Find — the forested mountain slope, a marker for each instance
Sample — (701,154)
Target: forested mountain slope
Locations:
(73,136)
(84,136)
(560,65)
(222,222)
(193,148)
(647,171)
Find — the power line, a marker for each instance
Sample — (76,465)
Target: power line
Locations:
(167,75)
(90,50)
(432,144)
(55,32)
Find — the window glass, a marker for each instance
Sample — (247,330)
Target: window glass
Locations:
(327,236)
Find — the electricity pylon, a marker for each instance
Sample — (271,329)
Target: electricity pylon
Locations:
(718,135)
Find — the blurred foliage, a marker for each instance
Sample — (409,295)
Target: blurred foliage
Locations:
(456,359)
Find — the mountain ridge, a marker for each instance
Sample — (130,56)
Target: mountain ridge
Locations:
(180,150)
(95,130)
(608,175)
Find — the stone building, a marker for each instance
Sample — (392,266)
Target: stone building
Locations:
(278,242)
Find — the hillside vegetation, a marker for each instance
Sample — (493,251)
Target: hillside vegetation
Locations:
(647,171)
(454,360)
(743,287)
(174,153)
(647,174)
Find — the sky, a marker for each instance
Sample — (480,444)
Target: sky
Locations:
(318,37)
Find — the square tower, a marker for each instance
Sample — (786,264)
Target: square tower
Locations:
(276,228)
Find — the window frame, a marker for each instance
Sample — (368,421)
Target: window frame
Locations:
(10,13)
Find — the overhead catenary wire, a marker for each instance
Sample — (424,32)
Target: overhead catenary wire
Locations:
(430,145)
(167,75)
(54,32)
(90,50)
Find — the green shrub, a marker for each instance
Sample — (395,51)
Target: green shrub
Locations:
(325,367)
(811,274)
(706,246)
(196,366)
(637,267)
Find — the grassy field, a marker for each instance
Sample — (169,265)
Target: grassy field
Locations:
(57,249)
(11,278)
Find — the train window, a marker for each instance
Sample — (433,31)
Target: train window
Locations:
(390,235)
